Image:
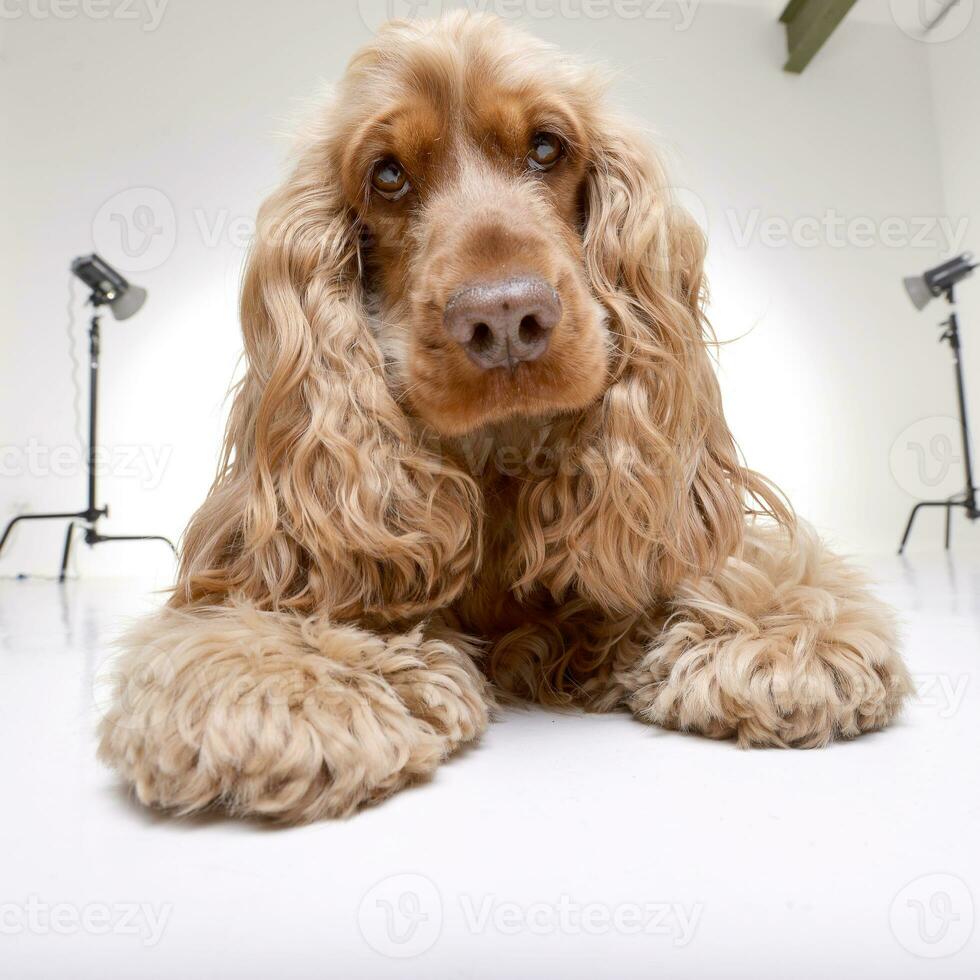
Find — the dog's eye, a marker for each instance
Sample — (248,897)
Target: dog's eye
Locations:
(546,150)
(389,179)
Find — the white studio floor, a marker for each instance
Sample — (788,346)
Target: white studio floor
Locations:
(562,846)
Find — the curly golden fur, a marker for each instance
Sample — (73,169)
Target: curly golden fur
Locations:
(396,532)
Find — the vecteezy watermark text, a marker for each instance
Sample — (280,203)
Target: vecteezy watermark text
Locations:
(145,464)
(148,12)
(943,693)
(402,916)
(831,229)
(40,918)
(680,13)
(568,917)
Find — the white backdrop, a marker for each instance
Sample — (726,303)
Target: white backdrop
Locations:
(152,130)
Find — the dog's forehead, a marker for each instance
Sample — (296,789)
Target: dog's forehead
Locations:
(441,58)
(464,77)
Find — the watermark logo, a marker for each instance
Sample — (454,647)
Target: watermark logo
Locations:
(136,229)
(401,916)
(932,916)
(932,21)
(926,459)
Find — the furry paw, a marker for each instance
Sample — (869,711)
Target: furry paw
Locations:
(276,715)
(785,647)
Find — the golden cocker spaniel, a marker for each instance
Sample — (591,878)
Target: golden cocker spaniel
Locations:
(479,450)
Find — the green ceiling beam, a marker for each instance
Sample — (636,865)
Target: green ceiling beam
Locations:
(808,25)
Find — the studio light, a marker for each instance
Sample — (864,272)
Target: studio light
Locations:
(109,288)
(941,281)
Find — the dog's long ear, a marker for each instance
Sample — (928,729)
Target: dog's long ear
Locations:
(657,491)
(325,498)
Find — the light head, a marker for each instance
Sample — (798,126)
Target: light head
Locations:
(109,288)
(939,280)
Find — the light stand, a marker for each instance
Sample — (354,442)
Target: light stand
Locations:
(968,499)
(87,519)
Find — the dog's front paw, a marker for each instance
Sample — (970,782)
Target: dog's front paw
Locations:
(763,692)
(278,716)
(785,648)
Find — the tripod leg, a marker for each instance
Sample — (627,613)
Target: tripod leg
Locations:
(67,552)
(167,542)
(34,517)
(949,512)
(158,537)
(908,528)
(8,529)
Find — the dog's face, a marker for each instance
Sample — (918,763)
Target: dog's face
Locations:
(466,167)
(470,236)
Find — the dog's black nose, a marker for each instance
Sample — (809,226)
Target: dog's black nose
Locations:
(500,324)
